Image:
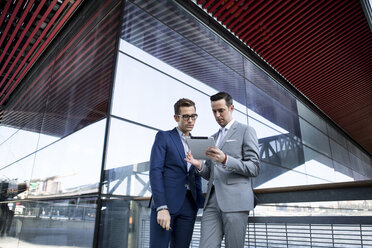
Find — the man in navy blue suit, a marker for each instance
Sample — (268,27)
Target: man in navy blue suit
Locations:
(175,185)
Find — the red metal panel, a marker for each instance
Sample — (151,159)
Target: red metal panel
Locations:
(215,6)
(236,5)
(324,48)
(10,22)
(235,13)
(68,46)
(4,13)
(21,53)
(257,19)
(15,31)
(306,13)
(66,16)
(206,5)
(245,24)
(69,69)
(15,48)
(241,14)
(322,27)
(228,4)
(268,21)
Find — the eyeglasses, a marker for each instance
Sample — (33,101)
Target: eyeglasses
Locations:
(187,117)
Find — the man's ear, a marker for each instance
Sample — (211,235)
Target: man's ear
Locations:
(176,118)
(232,107)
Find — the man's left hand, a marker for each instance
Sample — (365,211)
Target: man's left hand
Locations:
(215,154)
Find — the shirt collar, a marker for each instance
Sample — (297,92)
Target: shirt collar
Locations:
(182,135)
(228,126)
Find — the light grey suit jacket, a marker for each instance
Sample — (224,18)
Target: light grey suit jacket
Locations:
(232,181)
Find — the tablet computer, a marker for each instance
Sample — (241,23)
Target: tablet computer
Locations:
(198,145)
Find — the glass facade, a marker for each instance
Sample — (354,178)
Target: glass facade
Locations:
(52,135)
(76,137)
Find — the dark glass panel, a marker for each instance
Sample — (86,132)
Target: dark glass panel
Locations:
(68,88)
(70,165)
(264,105)
(78,93)
(340,154)
(272,176)
(117,224)
(343,173)
(282,150)
(264,82)
(314,138)
(337,136)
(311,117)
(318,166)
(165,43)
(65,222)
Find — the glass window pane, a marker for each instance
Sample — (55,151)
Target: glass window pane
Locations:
(311,117)
(314,138)
(277,148)
(336,136)
(261,104)
(72,164)
(263,130)
(17,177)
(340,154)
(128,156)
(166,44)
(58,223)
(274,176)
(122,220)
(18,145)
(265,83)
(319,166)
(135,76)
(6,133)
(343,173)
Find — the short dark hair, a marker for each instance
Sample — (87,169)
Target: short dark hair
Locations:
(222,95)
(183,102)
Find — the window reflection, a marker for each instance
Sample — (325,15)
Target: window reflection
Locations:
(128,156)
(272,176)
(71,165)
(18,144)
(65,223)
(314,138)
(169,65)
(311,117)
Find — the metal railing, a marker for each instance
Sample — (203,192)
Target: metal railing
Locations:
(292,234)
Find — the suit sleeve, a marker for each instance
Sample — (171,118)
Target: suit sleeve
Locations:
(249,165)
(199,189)
(157,161)
(206,170)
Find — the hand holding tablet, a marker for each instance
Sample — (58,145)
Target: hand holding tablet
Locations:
(199,145)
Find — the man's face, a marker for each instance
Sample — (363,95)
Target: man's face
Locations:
(186,124)
(222,113)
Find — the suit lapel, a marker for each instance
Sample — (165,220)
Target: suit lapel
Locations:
(229,134)
(178,143)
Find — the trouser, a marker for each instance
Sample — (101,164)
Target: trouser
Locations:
(182,224)
(216,224)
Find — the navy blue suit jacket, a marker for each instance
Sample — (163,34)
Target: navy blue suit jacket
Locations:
(168,173)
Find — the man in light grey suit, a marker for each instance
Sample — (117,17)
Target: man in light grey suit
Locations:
(230,169)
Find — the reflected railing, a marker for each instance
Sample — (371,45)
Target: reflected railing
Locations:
(291,230)
(116,176)
(285,150)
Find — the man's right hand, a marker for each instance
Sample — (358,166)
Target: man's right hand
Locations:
(195,162)
(163,219)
